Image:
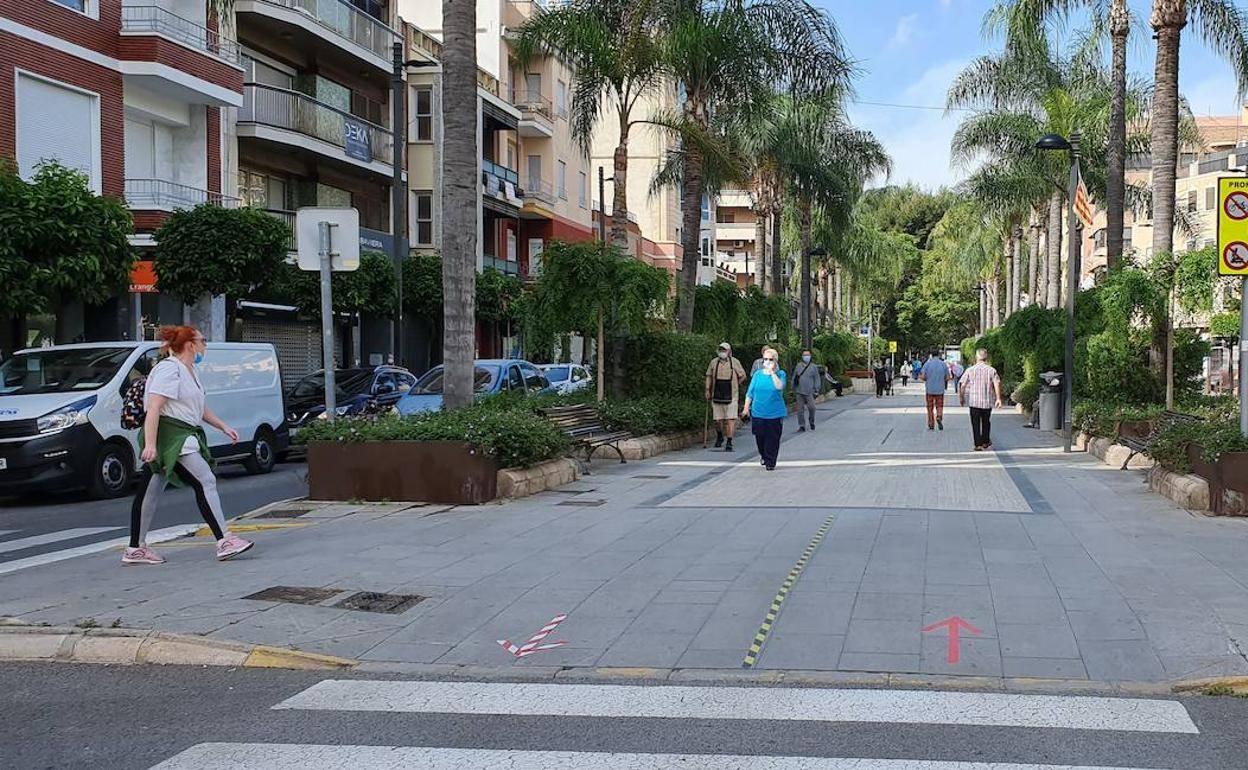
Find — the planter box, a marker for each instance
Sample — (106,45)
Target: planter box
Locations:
(1207,471)
(552,474)
(417,471)
(1233,469)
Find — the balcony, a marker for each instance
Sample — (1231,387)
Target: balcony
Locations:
(734,231)
(504,266)
(537,118)
(291,118)
(164,195)
(329,26)
(289,218)
(178,58)
(539,192)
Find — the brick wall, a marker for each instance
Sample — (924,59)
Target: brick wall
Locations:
(200,65)
(97,34)
(214,149)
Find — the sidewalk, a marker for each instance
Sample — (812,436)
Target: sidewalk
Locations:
(1067,568)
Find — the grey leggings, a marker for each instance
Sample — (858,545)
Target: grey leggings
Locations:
(193,471)
(805,405)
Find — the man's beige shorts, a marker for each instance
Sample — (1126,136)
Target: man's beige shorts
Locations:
(725,411)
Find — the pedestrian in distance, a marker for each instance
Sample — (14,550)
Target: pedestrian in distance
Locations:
(757,366)
(888,376)
(881,378)
(935,376)
(724,377)
(807,382)
(979,388)
(764,402)
(835,384)
(904,371)
(175,447)
(955,373)
(916,366)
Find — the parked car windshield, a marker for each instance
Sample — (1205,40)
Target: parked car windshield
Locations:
(556,373)
(61,371)
(347,383)
(431,383)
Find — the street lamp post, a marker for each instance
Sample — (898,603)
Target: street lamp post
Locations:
(807,294)
(1056,142)
(398,195)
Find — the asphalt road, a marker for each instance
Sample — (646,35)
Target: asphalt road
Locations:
(56,522)
(64,715)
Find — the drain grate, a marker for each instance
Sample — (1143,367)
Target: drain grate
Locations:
(651,476)
(584,503)
(294,594)
(390,604)
(284,513)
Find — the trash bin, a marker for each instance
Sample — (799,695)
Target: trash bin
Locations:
(1050,403)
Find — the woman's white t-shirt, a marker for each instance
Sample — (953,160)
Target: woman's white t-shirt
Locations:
(184,394)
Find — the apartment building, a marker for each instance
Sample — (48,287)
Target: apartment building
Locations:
(736,234)
(136,95)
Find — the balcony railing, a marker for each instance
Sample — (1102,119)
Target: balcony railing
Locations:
(295,111)
(347,21)
(502,172)
(532,102)
(289,218)
(538,190)
(417,39)
(504,266)
(165,195)
(141,19)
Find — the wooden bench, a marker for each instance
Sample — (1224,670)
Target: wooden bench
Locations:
(583,425)
(1139,445)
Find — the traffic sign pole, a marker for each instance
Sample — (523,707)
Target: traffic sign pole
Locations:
(1233,261)
(1243,357)
(325,230)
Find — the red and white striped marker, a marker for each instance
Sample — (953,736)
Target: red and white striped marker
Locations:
(534,644)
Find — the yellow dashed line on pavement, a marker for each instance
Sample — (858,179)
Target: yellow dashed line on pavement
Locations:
(764,630)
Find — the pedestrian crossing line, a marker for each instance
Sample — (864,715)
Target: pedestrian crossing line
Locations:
(753,703)
(300,756)
(52,537)
(159,536)
(764,630)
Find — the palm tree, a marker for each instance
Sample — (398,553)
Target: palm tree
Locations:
(730,57)
(459,199)
(612,46)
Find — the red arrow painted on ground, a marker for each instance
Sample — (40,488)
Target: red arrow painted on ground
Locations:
(534,644)
(955,625)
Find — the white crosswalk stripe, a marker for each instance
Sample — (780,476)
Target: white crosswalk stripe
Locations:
(214,756)
(157,536)
(52,537)
(755,703)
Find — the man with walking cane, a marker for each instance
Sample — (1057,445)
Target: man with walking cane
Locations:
(724,376)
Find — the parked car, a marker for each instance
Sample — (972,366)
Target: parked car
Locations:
(60,413)
(490,376)
(567,378)
(354,391)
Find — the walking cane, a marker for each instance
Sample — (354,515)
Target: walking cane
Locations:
(706,424)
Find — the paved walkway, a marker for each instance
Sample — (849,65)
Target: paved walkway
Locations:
(870,530)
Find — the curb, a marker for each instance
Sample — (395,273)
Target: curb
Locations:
(121,646)
(1224,685)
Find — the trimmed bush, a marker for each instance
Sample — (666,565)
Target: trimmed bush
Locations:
(643,416)
(1215,438)
(671,365)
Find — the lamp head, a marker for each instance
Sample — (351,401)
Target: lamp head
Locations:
(1052,142)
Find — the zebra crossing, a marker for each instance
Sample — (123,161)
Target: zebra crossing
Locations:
(681,710)
(26,551)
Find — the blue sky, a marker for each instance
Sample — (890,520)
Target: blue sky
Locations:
(910,50)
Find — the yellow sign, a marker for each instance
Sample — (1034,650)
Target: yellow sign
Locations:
(892,346)
(1233,226)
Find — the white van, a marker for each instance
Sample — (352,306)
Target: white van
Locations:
(60,413)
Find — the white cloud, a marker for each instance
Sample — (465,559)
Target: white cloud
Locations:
(904,33)
(917,140)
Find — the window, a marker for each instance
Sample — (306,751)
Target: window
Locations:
(1126,237)
(561,179)
(535,171)
(582,187)
(258,189)
(1211,198)
(81,6)
(514,380)
(561,99)
(533,379)
(1191,201)
(60,123)
(422,207)
(706,247)
(256,71)
(422,114)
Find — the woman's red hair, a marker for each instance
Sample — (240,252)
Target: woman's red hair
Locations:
(175,338)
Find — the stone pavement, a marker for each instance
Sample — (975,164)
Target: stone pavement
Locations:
(1065,568)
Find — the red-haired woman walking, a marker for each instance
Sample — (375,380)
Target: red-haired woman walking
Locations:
(175,448)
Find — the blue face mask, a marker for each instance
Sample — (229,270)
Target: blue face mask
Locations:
(199,358)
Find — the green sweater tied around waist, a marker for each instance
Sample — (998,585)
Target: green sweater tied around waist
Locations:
(171,436)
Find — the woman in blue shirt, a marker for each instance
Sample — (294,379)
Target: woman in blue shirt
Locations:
(764,403)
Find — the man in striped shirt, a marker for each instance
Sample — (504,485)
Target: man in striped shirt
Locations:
(980,389)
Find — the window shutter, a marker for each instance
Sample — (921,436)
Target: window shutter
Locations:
(56,123)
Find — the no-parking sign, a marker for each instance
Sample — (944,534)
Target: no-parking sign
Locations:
(1233,226)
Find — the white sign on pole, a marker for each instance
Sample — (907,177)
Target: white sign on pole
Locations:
(345,225)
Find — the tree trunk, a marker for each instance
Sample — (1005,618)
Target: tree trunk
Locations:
(777,254)
(1033,263)
(807,297)
(460,205)
(1053,265)
(1020,257)
(1115,156)
(838,307)
(983,310)
(619,189)
(760,247)
(691,224)
(1010,275)
(1168,19)
(601,375)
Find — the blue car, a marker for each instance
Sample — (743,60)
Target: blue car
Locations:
(490,376)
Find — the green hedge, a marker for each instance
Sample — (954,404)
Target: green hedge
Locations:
(517,438)
(1097,418)
(654,414)
(1215,437)
(671,365)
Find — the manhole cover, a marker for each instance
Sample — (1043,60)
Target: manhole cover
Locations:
(284,513)
(369,601)
(294,594)
(583,503)
(651,476)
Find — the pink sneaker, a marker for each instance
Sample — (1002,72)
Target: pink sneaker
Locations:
(141,555)
(231,545)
